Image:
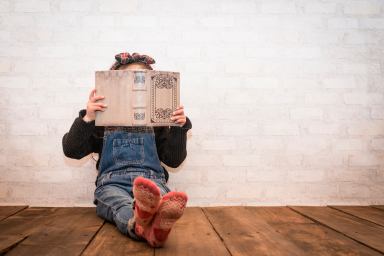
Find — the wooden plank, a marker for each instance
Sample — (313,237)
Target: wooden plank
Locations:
(193,235)
(57,231)
(244,234)
(366,232)
(365,212)
(380,207)
(6,211)
(311,237)
(21,224)
(110,241)
(8,242)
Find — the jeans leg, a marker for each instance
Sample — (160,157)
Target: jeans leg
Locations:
(164,189)
(114,204)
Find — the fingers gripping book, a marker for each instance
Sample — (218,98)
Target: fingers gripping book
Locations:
(137,97)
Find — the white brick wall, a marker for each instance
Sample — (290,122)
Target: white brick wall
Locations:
(286,97)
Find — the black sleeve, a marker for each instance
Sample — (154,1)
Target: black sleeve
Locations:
(172,143)
(78,142)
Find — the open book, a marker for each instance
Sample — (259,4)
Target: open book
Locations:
(137,97)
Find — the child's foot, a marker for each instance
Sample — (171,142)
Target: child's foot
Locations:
(170,210)
(147,198)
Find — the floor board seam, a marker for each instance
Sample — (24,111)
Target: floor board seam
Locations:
(213,227)
(325,225)
(334,207)
(93,237)
(20,210)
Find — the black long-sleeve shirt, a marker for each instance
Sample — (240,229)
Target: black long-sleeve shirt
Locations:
(84,138)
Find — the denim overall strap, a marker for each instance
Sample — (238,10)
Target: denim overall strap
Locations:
(129,147)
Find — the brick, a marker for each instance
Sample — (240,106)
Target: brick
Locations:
(280,128)
(277,98)
(342,23)
(5,66)
(307,145)
(32,6)
(323,98)
(239,7)
(178,51)
(14,82)
(320,8)
(309,175)
(267,143)
(223,175)
(300,83)
(52,176)
(366,128)
(240,97)
(281,7)
(353,190)
(228,129)
(324,128)
(360,68)
(321,37)
(245,191)
(203,159)
(238,159)
(364,160)
(306,113)
(361,37)
(261,82)
(55,113)
(377,112)
(121,6)
(75,6)
(351,112)
(217,21)
(339,83)
(219,144)
(362,7)
(33,128)
(363,98)
(98,20)
(348,144)
(5,6)
(323,161)
(377,143)
(372,23)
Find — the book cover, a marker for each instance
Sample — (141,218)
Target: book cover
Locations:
(137,97)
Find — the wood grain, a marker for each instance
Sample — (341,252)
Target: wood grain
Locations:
(366,232)
(53,231)
(246,234)
(368,213)
(6,211)
(110,241)
(193,235)
(310,237)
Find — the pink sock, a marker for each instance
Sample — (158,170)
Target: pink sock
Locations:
(147,198)
(170,210)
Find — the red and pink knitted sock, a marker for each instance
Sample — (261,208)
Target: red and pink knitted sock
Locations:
(170,210)
(147,198)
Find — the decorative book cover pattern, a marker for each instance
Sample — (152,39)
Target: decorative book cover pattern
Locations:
(137,97)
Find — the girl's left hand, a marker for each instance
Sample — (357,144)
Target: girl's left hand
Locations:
(178,116)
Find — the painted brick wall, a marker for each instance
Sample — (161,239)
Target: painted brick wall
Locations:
(286,97)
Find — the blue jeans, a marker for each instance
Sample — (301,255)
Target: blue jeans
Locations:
(128,152)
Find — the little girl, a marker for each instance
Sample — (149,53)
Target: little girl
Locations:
(131,189)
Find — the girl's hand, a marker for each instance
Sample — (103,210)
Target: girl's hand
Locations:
(93,106)
(178,116)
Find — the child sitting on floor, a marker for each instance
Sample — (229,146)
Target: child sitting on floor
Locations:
(131,189)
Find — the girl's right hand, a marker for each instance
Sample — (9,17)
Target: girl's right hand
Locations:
(93,106)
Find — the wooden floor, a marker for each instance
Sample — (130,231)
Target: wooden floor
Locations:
(332,230)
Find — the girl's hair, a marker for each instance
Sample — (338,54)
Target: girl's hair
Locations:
(125,58)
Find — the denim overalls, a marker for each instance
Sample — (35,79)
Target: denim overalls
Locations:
(128,152)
